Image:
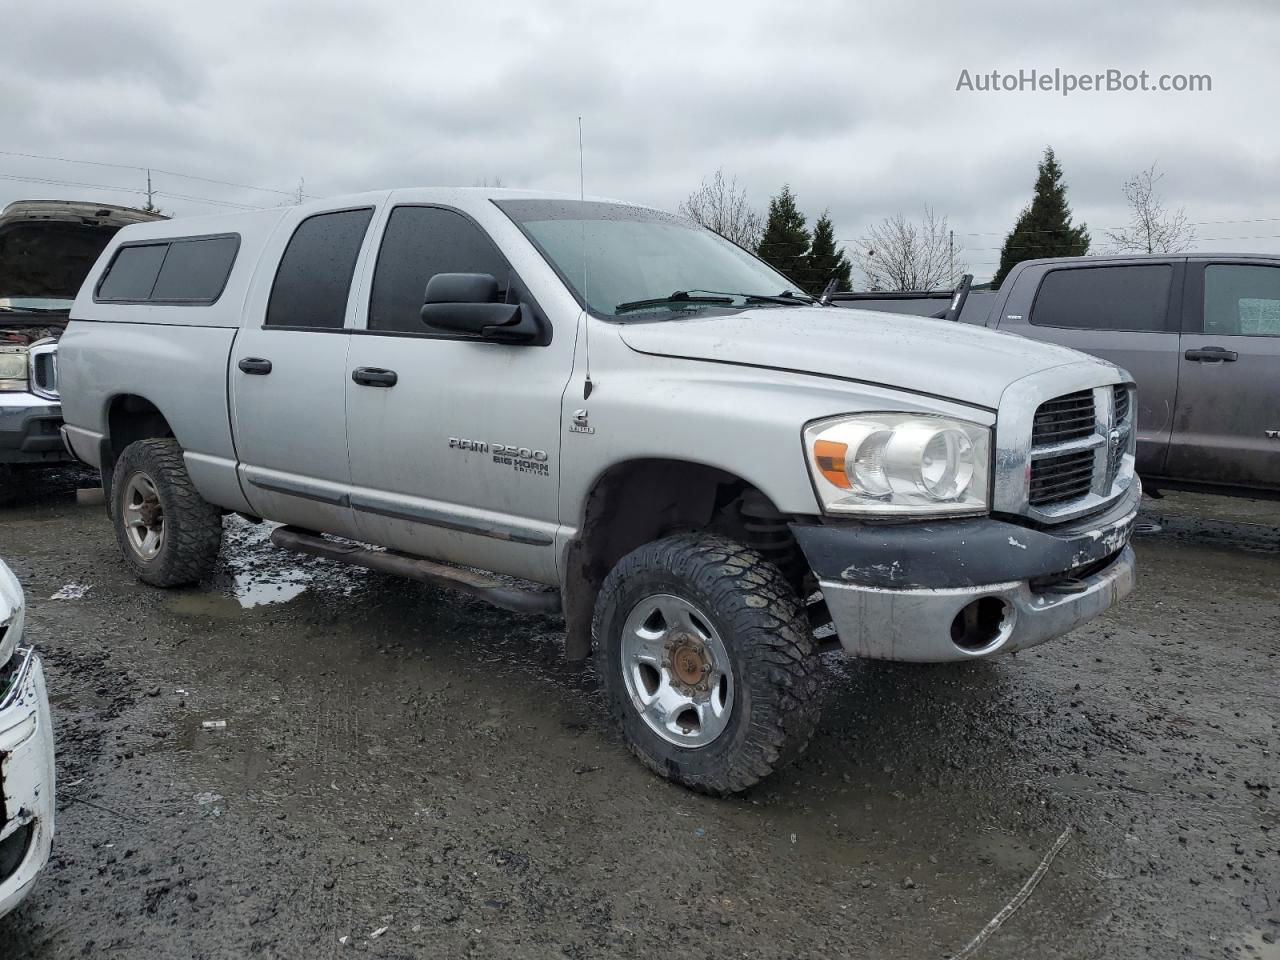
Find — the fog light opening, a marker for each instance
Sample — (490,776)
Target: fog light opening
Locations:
(982,624)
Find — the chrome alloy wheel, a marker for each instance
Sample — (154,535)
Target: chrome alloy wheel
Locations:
(677,671)
(143,516)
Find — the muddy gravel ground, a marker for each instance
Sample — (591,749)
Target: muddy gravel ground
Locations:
(405,773)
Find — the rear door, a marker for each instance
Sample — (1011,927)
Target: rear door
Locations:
(1227,425)
(1123,312)
(288,376)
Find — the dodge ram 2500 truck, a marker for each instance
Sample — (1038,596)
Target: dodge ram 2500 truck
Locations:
(647,427)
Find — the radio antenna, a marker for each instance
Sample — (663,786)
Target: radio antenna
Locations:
(586,313)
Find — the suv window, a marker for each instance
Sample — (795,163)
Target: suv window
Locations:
(314,276)
(420,242)
(1242,300)
(1105,298)
(192,270)
(132,273)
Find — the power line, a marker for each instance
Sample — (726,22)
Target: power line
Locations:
(133,190)
(292,194)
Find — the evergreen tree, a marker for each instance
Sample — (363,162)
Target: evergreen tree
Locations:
(825,261)
(1044,228)
(785,241)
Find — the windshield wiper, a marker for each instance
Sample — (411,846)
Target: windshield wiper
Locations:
(680,296)
(787,298)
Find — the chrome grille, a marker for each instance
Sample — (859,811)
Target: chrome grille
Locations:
(1065,445)
(1062,478)
(1120,400)
(1122,423)
(43,369)
(1064,418)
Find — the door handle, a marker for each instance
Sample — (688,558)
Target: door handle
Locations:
(255,365)
(1207,354)
(374,376)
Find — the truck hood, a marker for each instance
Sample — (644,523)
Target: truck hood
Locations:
(952,361)
(47,247)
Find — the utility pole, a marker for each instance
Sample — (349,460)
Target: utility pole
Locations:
(951,255)
(301,181)
(150,195)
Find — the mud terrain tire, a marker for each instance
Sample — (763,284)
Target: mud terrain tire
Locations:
(740,605)
(151,485)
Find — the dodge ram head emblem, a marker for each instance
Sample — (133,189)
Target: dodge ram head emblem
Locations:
(1114,439)
(581,423)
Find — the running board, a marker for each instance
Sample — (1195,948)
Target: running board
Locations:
(487,588)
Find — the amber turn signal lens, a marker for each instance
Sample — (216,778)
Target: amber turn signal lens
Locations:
(829,456)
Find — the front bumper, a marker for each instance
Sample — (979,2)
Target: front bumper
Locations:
(30,429)
(966,589)
(26,779)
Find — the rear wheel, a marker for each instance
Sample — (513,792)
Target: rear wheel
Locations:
(167,532)
(706,658)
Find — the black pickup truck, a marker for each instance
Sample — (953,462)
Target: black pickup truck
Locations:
(1200,333)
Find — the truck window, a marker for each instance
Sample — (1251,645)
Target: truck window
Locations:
(420,242)
(132,273)
(1242,300)
(196,270)
(1105,298)
(314,275)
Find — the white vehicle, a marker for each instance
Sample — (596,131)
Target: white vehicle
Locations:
(46,248)
(649,426)
(26,755)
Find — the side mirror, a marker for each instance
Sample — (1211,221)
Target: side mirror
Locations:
(468,303)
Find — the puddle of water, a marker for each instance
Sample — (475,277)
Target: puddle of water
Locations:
(256,574)
(253,590)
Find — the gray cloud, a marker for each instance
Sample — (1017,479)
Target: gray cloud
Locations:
(855,107)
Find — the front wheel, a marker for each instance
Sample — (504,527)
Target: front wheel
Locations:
(167,532)
(705,655)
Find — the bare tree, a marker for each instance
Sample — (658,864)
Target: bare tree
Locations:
(721,205)
(1152,228)
(901,254)
(494,183)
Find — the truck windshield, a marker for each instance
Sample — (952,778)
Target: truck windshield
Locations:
(636,263)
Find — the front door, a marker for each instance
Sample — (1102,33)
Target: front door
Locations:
(288,379)
(454,441)
(1227,424)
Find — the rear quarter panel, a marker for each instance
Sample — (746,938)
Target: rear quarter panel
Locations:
(181,370)
(173,355)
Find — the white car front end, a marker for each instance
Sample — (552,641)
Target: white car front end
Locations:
(26,755)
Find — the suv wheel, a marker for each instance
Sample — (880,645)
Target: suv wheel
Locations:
(167,532)
(706,658)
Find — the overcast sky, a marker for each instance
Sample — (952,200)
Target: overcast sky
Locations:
(854,105)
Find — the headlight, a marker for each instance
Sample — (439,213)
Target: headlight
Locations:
(897,463)
(13,364)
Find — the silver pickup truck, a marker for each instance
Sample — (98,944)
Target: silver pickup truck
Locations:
(628,421)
